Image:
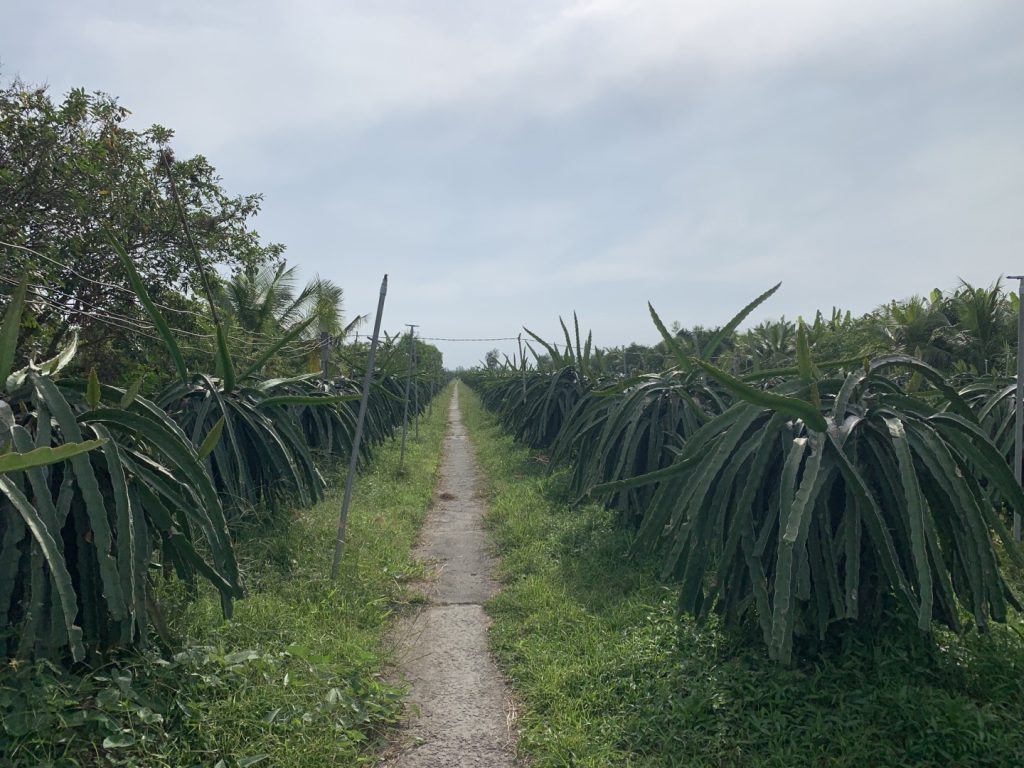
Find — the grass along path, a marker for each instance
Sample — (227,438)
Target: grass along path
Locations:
(294,679)
(609,677)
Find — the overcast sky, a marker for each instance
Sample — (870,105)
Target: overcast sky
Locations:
(507,162)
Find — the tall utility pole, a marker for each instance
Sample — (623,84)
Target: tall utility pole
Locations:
(353,460)
(1018,431)
(408,386)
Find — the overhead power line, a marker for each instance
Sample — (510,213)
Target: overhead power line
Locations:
(101,283)
(121,289)
(145,329)
(436,338)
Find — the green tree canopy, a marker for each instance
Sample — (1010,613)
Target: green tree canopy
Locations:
(72,169)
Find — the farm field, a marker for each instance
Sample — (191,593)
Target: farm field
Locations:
(726,553)
(315,495)
(295,678)
(608,675)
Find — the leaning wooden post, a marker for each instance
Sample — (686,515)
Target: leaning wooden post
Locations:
(430,402)
(408,385)
(353,461)
(1018,430)
(416,391)
(522,363)
(433,381)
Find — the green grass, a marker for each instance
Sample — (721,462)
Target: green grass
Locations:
(609,676)
(294,679)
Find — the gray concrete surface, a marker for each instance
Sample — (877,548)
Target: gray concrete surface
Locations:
(460,711)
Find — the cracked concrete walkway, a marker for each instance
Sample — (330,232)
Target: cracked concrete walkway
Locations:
(465,715)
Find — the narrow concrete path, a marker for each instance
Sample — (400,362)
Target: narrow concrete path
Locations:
(461,713)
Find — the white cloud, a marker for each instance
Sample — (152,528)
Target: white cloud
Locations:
(231,70)
(508,162)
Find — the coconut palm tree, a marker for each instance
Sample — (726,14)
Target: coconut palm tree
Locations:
(985,315)
(769,344)
(264,301)
(919,326)
(265,304)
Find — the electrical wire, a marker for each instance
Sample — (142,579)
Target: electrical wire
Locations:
(41,290)
(114,317)
(134,329)
(202,316)
(79,275)
(437,338)
(144,329)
